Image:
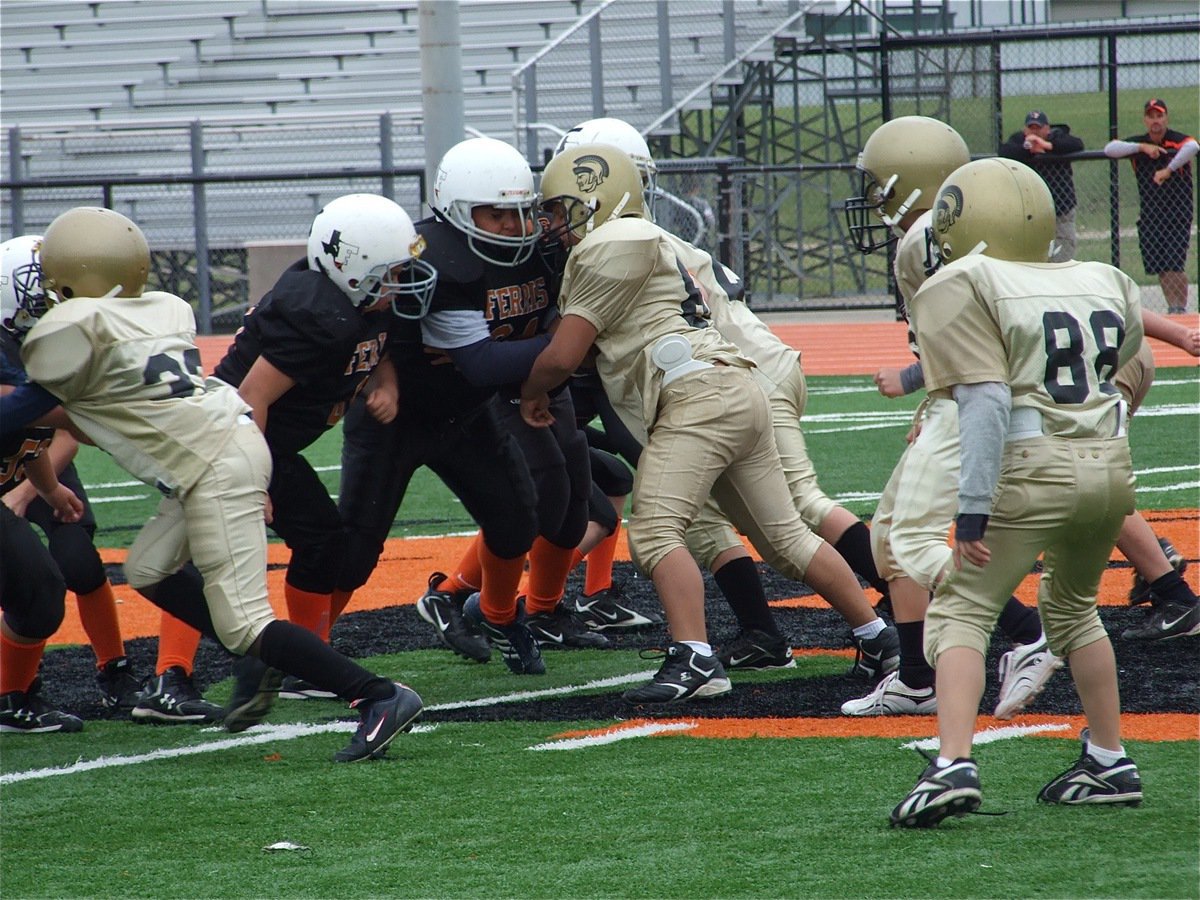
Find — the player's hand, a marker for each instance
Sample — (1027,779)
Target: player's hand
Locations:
(914,432)
(67,507)
(1151,150)
(269,510)
(383,403)
(1192,343)
(536,412)
(889,383)
(1161,175)
(19,498)
(974,552)
(438,356)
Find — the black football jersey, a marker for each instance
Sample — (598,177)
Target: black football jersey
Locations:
(308,329)
(22,445)
(516,303)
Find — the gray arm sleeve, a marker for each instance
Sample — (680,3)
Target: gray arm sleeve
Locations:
(1118,149)
(983,411)
(912,378)
(1183,155)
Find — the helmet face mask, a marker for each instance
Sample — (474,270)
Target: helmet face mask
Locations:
(998,207)
(22,299)
(90,251)
(367,245)
(487,172)
(901,167)
(586,186)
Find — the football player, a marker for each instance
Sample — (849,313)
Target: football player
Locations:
(313,342)
(527,489)
(174,697)
(693,394)
(1027,350)
(714,543)
(902,165)
(123,364)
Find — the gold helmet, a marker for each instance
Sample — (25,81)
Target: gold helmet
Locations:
(93,252)
(588,185)
(998,207)
(901,167)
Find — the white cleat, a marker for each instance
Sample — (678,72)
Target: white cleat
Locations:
(892,697)
(1024,671)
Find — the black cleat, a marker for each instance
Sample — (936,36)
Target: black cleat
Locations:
(939,793)
(877,656)
(119,687)
(1165,621)
(255,687)
(443,610)
(381,721)
(754,649)
(515,641)
(25,712)
(563,628)
(172,699)
(1090,782)
(602,611)
(684,675)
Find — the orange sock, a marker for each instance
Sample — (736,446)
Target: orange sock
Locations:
(548,568)
(308,610)
(468,574)
(98,615)
(598,574)
(177,643)
(18,664)
(576,559)
(501,578)
(337,605)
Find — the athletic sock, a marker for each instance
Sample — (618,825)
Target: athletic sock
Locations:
(337,605)
(98,615)
(1171,588)
(177,644)
(870,630)
(1105,757)
(855,547)
(468,574)
(18,664)
(298,651)
(1020,623)
(501,580)
(548,568)
(700,647)
(914,670)
(598,574)
(307,609)
(743,589)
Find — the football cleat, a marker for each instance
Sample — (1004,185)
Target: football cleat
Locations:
(443,610)
(255,687)
(119,687)
(1024,671)
(515,641)
(684,675)
(172,698)
(563,628)
(25,712)
(950,791)
(1090,782)
(877,656)
(754,649)
(892,697)
(1165,621)
(381,721)
(293,688)
(1140,591)
(602,611)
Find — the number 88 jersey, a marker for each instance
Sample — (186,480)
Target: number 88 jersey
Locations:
(1056,333)
(127,371)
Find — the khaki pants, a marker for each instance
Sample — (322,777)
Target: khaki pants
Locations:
(1066,498)
(712,435)
(220,526)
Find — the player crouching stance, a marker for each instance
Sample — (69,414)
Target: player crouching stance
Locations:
(1027,349)
(125,368)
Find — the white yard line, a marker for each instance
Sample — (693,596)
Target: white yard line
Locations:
(265,734)
(989,735)
(615,734)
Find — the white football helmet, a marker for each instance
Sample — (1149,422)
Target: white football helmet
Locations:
(620,134)
(22,300)
(488,172)
(367,245)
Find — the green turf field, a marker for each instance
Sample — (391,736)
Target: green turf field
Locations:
(470,809)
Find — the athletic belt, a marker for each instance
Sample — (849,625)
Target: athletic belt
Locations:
(1025,422)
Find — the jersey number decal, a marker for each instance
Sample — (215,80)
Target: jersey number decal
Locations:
(164,364)
(1070,356)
